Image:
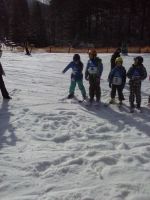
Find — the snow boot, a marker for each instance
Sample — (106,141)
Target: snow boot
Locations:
(120,103)
(97,103)
(112,101)
(7,97)
(89,102)
(70,96)
(138,107)
(132,106)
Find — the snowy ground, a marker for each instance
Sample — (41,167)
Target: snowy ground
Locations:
(55,149)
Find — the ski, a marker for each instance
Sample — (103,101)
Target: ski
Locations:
(139,110)
(81,101)
(110,103)
(133,110)
(148,105)
(96,104)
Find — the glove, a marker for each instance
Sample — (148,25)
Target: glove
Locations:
(123,85)
(110,85)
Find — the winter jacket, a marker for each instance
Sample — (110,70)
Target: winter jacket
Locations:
(94,68)
(117,76)
(1,70)
(113,58)
(77,69)
(136,73)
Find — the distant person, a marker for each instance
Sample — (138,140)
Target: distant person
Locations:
(76,76)
(2,85)
(124,49)
(26,46)
(115,55)
(93,74)
(117,80)
(136,74)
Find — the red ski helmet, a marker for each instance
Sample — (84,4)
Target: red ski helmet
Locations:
(92,52)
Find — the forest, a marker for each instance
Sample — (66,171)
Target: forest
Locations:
(76,23)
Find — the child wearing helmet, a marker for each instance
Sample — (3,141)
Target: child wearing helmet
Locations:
(136,74)
(117,80)
(76,76)
(2,84)
(93,74)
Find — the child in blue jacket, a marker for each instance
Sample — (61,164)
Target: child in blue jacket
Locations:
(93,74)
(117,80)
(76,76)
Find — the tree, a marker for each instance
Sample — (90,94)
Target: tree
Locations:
(3,19)
(19,21)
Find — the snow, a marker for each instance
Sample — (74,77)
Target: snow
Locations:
(55,149)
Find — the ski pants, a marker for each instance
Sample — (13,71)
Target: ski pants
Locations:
(135,92)
(3,88)
(94,88)
(80,85)
(119,89)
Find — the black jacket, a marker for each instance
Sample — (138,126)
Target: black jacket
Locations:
(113,58)
(1,70)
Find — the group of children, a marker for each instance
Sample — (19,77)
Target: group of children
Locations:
(116,78)
(93,74)
(94,69)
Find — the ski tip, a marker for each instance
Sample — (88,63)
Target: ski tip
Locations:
(131,111)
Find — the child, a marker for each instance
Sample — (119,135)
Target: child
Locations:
(117,80)
(136,73)
(2,85)
(93,74)
(76,76)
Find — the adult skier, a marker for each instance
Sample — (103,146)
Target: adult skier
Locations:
(115,55)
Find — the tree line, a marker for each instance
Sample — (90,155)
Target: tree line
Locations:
(77,23)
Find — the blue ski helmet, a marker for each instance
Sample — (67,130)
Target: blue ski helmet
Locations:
(139,59)
(76,57)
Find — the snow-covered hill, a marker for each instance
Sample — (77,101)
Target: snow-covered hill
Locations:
(55,149)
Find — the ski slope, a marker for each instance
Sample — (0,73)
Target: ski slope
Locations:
(55,149)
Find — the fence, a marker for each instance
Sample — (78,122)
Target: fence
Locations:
(53,49)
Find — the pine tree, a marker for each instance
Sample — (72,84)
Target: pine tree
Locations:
(19,21)
(3,19)
(37,25)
